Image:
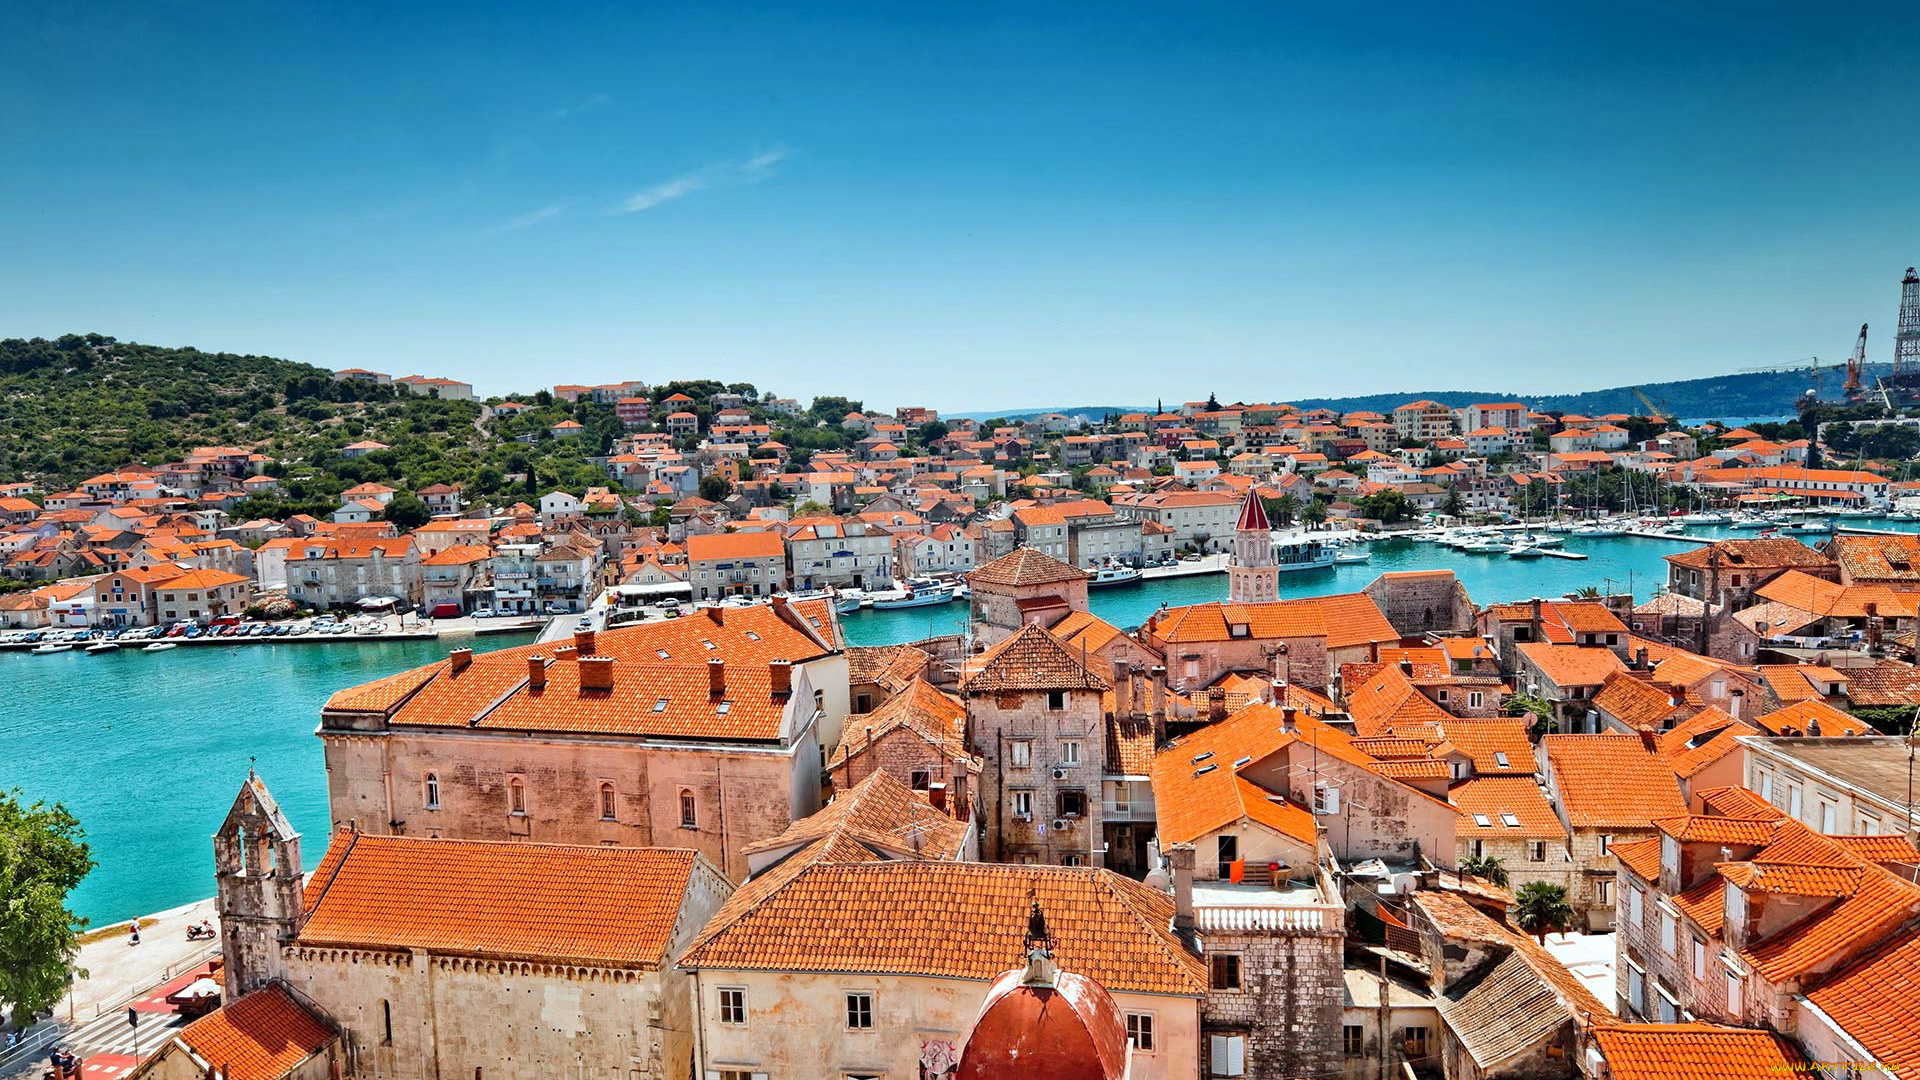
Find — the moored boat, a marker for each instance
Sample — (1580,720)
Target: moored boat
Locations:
(160,646)
(103,646)
(920,592)
(50,648)
(1114,574)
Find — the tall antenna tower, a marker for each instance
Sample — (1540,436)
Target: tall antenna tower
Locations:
(1906,341)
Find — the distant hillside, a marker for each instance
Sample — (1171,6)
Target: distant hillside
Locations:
(84,404)
(1746,396)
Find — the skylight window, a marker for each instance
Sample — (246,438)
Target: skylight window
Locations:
(660,706)
(1509,820)
(751,636)
(1500,756)
(710,646)
(1204,770)
(723,708)
(1237,762)
(664,654)
(1198,758)
(1482,821)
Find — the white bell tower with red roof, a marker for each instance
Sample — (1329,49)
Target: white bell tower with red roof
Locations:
(1252,575)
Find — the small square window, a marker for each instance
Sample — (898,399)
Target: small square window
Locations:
(1056,700)
(733,1005)
(1353,1040)
(1020,754)
(860,1011)
(1140,1031)
(1224,971)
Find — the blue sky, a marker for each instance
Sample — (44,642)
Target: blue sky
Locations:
(972,205)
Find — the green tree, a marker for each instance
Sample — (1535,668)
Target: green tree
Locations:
(407,511)
(1386,506)
(43,855)
(1539,708)
(1486,867)
(715,487)
(1540,908)
(1314,512)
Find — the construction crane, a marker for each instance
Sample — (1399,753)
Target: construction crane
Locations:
(1854,363)
(1654,411)
(1811,365)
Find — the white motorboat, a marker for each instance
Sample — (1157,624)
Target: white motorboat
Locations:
(920,592)
(1351,556)
(103,646)
(1524,551)
(1302,553)
(160,646)
(1115,574)
(1708,518)
(50,648)
(1809,527)
(1487,547)
(848,601)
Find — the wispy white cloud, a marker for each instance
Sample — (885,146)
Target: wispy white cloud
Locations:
(761,163)
(535,217)
(718,175)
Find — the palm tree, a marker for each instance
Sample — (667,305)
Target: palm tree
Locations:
(1487,867)
(1588,592)
(1541,908)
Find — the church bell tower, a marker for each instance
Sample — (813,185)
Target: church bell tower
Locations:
(256,870)
(1252,575)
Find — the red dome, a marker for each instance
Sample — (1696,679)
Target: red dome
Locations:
(1070,1030)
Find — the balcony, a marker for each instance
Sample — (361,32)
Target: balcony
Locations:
(1137,810)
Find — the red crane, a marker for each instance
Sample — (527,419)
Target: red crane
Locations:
(1855,362)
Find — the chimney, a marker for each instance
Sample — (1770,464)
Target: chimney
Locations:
(458,659)
(596,673)
(1676,697)
(1640,658)
(1539,625)
(937,795)
(536,671)
(718,616)
(1216,704)
(1286,720)
(781,674)
(1406,667)
(583,642)
(1122,689)
(1181,856)
(565,652)
(716,676)
(1138,692)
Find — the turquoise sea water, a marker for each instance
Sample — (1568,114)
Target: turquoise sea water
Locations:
(149,749)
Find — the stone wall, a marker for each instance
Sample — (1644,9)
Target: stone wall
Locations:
(1000,719)
(741,794)
(1421,603)
(1289,1004)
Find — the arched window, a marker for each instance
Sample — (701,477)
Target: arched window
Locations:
(606,802)
(433,791)
(689,815)
(516,796)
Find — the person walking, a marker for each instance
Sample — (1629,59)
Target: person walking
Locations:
(133,932)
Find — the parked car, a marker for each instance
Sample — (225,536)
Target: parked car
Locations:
(444,611)
(485,613)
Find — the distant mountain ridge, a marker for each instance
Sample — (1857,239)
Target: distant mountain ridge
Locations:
(1744,396)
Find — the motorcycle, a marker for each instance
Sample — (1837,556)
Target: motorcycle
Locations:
(201,933)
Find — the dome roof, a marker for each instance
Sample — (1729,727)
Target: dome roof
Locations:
(1069,1030)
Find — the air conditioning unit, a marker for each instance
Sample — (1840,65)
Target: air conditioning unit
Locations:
(1059,773)
(1059,824)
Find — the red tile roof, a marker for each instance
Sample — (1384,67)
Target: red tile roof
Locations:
(1611,781)
(960,920)
(261,1036)
(586,904)
(1695,1051)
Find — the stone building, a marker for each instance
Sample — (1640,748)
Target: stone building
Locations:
(265,1035)
(1039,728)
(256,873)
(1024,587)
(919,737)
(701,732)
(1298,641)
(822,967)
(1419,602)
(1608,790)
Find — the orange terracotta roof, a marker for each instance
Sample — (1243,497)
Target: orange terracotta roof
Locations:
(882,815)
(264,1035)
(1032,659)
(1485,740)
(1876,1001)
(1883,848)
(959,920)
(735,545)
(1611,781)
(1695,1051)
(1572,665)
(1640,856)
(588,904)
(1511,806)
(1800,717)
(934,715)
(1025,566)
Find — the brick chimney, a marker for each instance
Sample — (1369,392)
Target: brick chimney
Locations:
(536,671)
(565,652)
(716,676)
(1122,689)
(596,673)
(458,659)
(718,615)
(781,674)
(1216,704)
(583,642)
(937,795)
